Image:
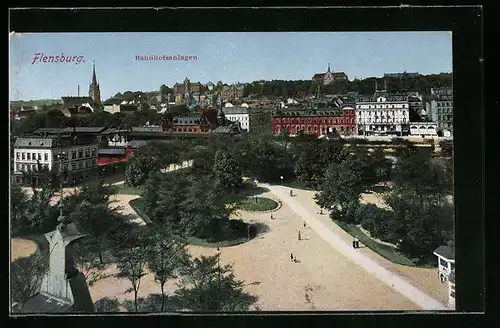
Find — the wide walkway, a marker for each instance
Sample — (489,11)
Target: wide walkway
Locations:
(305,207)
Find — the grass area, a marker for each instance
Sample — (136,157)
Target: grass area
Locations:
(254,204)
(386,251)
(122,189)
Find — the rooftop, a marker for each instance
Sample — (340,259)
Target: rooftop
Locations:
(448,252)
(42,303)
(235,110)
(35,142)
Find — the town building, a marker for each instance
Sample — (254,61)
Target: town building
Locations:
(383,115)
(238,114)
(94,89)
(318,122)
(423,129)
(232,92)
(210,86)
(187,87)
(64,288)
(76,149)
(77,106)
(402,75)
(329,77)
(440,110)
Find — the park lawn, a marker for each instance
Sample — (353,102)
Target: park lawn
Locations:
(385,251)
(126,190)
(253,204)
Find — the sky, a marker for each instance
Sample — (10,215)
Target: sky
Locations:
(227,57)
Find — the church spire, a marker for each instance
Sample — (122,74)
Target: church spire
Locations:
(328,71)
(94,79)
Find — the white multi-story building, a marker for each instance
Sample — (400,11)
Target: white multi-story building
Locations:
(238,114)
(383,115)
(79,156)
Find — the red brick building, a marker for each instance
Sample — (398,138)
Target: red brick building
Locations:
(317,122)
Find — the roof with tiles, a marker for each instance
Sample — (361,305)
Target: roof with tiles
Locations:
(33,142)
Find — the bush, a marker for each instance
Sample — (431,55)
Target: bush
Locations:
(107,304)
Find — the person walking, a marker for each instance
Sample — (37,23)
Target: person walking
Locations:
(291,193)
(272,218)
(321,211)
(304,224)
(299,235)
(356,241)
(291,257)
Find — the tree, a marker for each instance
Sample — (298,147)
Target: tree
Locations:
(227,170)
(341,186)
(18,203)
(131,265)
(97,220)
(202,212)
(165,256)
(206,286)
(108,305)
(26,276)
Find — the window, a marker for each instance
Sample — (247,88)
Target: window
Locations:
(28,156)
(80,153)
(443,262)
(93,163)
(23,156)
(87,152)
(18,155)
(87,164)
(19,167)
(46,166)
(73,165)
(45,157)
(39,156)
(28,168)
(18,179)
(80,164)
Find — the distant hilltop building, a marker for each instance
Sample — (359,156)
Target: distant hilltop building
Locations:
(94,90)
(400,75)
(329,77)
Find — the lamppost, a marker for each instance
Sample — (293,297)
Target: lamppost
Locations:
(60,158)
(281,178)
(256,182)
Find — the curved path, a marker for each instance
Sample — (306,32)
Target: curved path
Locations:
(308,210)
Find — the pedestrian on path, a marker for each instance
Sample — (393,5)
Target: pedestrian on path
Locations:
(291,257)
(356,241)
(299,235)
(321,211)
(291,193)
(304,224)
(272,218)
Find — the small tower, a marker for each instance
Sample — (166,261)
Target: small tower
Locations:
(94,90)
(63,281)
(328,71)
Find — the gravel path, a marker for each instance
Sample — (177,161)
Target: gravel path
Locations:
(305,207)
(323,279)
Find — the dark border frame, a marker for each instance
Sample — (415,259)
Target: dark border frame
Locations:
(466,23)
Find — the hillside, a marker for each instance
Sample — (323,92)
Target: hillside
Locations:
(39,102)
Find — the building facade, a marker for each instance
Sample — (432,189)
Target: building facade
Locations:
(383,115)
(315,122)
(77,155)
(238,114)
(440,110)
(329,77)
(423,129)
